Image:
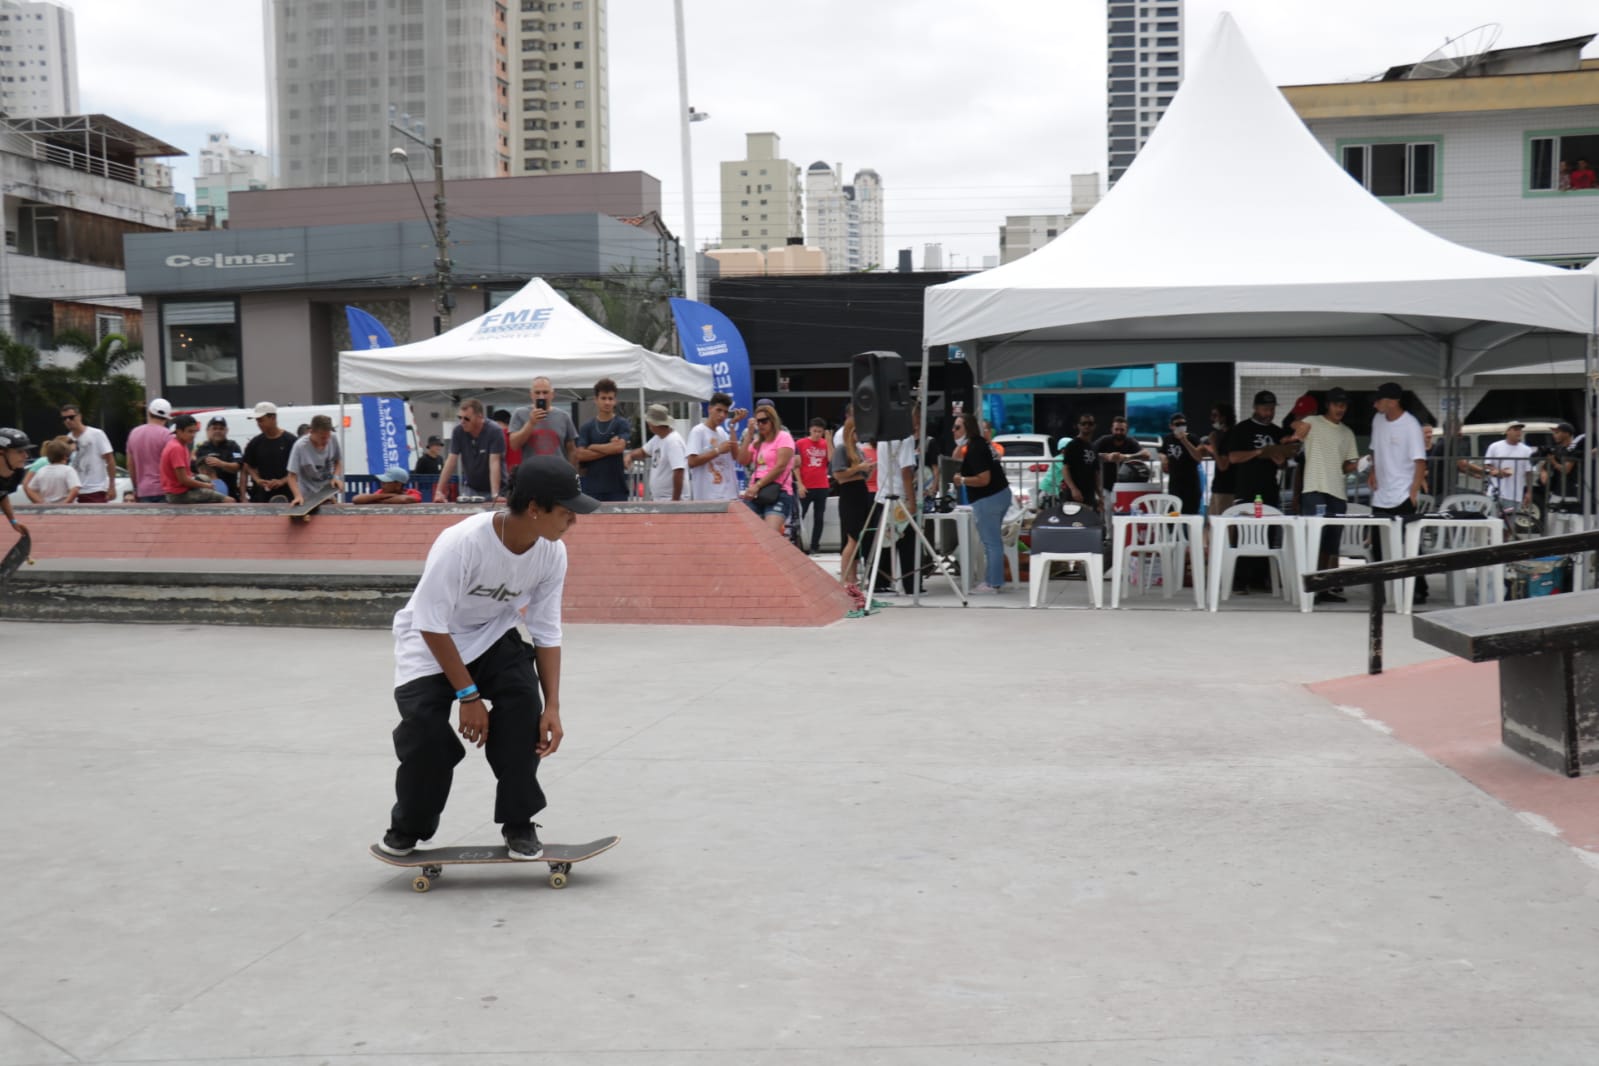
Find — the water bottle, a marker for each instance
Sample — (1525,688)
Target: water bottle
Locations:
(1260,508)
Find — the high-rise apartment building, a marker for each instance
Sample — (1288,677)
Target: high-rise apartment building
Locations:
(762,205)
(560,99)
(339,72)
(38,59)
(845,221)
(1145,56)
(226,168)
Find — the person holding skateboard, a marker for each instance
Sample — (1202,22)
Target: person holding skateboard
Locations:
(14,449)
(456,641)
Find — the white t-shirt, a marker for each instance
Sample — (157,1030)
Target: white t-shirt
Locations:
(56,482)
(1395,447)
(89,459)
(717,479)
(666,454)
(476,590)
(1515,458)
(905,459)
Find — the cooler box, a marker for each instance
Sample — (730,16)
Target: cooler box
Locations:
(1057,533)
(1539,577)
(1124,493)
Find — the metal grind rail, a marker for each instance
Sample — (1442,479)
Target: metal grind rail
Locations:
(1378,574)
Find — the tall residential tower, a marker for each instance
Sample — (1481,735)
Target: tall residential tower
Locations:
(1145,67)
(560,110)
(338,73)
(845,221)
(38,59)
(762,205)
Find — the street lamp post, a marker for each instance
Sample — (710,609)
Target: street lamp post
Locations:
(439,224)
(687,115)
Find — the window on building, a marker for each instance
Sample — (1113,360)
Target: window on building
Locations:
(1393,168)
(1555,160)
(201,353)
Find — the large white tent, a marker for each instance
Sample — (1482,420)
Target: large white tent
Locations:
(1235,236)
(534,333)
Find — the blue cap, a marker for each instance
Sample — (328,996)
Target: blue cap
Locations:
(395,474)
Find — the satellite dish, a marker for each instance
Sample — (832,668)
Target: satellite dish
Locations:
(1457,54)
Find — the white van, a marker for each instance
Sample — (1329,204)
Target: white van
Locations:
(242,427)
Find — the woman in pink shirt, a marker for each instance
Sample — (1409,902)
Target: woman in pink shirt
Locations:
(770,447)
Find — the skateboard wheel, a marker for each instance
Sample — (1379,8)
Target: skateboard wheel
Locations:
(557,879)
(421,883)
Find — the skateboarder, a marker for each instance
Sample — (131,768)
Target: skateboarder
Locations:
(14,449)
(456,640)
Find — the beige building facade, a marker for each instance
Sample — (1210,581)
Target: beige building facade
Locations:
(560,96)
(762,200)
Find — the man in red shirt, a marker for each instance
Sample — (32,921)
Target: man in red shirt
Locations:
(513,456)
(179,484)
(1583,176)
(814,458)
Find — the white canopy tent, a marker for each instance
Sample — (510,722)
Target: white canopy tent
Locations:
(534,333)
(1235,236)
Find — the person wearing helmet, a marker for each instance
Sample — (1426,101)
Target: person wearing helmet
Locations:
(14,449)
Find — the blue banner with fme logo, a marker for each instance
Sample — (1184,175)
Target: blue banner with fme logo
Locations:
(709,338)
(383,416)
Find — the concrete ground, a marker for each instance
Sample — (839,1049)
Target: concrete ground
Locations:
(922,837)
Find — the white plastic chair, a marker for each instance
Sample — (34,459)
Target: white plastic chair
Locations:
(1425,503)
(1468,501)
(1455,539)
(1164,541)
(1254,541)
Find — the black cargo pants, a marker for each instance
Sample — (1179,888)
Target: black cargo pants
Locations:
(429,748)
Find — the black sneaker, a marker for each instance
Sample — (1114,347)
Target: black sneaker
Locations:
(395,842)
(522,842)
(1329,597)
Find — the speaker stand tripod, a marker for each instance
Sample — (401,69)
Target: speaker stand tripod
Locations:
(885,521)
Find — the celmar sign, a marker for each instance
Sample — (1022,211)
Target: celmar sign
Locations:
(243,261)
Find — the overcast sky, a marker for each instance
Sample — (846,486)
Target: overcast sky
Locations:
(968,111)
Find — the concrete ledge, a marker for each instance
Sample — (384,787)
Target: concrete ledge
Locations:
(706,563)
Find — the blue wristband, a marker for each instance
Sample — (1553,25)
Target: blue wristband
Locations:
(470,690)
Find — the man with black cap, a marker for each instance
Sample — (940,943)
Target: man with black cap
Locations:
(456,641)
(14,449)
(218,458)
(1331,455)
(1562,471)
(1254,455)
(431,461)
(1398,463)
(1180,455)
(1509,464)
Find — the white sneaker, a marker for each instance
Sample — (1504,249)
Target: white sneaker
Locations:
(984,589)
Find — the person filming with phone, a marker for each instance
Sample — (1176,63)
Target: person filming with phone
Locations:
(541,428)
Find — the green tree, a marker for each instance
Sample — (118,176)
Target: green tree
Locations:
(99,374)
(633,306)
(20,367)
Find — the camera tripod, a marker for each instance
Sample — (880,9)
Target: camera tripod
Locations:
(886,510)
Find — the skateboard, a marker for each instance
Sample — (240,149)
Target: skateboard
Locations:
(309,505)
(18,554)
(432,861)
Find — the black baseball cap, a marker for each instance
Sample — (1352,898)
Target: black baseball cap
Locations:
(1390,390)
(1179,417)
(1337,396)
(434,440)
(1566,428)
(1265,396)
(217,420)
(550,477)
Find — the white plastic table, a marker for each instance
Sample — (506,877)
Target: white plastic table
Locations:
(1194,530)
(1220,524)
(961,518)
(1310,530)
(1485,531)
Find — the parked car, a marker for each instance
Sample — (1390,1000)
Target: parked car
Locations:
(1026,461)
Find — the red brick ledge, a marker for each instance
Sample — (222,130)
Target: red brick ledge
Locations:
(691,563)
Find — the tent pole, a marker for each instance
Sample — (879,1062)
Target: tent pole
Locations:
(915,506)
(342,452)
(1451,406)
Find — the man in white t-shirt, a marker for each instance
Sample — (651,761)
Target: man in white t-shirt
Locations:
(456,640)
(713,472)
(94,460)
(1398,464)
(666,453)
(1509,463)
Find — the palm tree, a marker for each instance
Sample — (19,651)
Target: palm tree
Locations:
(99,370)
(19,365)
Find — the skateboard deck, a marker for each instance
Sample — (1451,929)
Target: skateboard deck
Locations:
(312,502)
(431,861)
(19,553)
